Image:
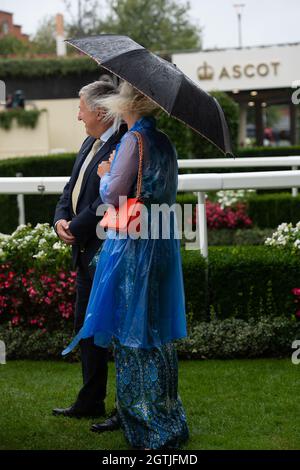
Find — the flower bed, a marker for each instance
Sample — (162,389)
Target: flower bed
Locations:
(37,286)
(34,299)
(227,217)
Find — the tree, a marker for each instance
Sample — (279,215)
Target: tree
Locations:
(86,20)
(44,39)
(11,45)
(159,25)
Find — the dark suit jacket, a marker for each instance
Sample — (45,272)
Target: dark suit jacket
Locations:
(83,224)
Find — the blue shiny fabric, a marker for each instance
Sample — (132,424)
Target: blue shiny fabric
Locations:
(137,295)
(148,404)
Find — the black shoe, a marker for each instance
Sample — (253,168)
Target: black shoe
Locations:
(110,424)
(74,412)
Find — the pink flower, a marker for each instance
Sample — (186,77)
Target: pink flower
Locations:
(32,292)
(296,291)
(16,320)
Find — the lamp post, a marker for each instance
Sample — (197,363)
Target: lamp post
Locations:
(239,9)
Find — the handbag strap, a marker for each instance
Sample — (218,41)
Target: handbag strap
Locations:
(140,170)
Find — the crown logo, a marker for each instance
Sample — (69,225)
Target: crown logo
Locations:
(205,72)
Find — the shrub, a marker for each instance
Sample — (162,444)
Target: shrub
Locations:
(225,339)
(270,210)
(36,300)
(269,151)
(246,282)
(251,236)
(36,283)
(23,117)
(25,343)
(230,198)
(37,248)
(287,237)
(241,282)
(46,67)
(195,284)
(233,339)
(229,217)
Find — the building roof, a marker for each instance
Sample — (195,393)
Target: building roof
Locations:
(219,49)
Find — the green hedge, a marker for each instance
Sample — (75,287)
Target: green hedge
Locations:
(48,165)
(269,151)
(271,209)
(247,282)
(243,282)
(227,339)
(233,339)
(46,67)
(194,267)
(250,236)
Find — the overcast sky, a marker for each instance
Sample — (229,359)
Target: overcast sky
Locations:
(263,21)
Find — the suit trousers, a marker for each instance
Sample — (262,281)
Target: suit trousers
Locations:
(94,358)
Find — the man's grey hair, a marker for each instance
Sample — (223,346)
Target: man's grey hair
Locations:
(93,92)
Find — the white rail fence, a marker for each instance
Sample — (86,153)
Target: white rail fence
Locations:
(199,183)
(292,162)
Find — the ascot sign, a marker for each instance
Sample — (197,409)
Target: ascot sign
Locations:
(207,72)
(251,68)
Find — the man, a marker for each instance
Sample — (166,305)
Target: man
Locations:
(75,223)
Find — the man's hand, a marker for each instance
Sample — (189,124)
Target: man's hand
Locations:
(62,230)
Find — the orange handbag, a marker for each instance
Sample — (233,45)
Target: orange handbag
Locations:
(119,218)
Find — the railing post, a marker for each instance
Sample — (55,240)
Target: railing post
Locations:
(21,204)
(202,224)
(294,190)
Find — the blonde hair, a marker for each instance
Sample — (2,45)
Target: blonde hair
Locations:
(126,100)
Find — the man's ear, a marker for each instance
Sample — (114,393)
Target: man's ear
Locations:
(100,114)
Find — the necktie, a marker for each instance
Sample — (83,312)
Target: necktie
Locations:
(77,187)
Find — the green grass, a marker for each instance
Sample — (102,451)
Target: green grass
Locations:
(240,404)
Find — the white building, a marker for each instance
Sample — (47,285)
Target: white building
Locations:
(256,77)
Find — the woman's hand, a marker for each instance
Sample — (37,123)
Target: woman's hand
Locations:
(112,156)
(103,168)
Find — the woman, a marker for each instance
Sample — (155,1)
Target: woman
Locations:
(137,299)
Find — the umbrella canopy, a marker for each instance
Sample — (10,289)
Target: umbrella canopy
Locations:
(160,81)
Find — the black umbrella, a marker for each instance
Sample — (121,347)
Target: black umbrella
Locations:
(160,81)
